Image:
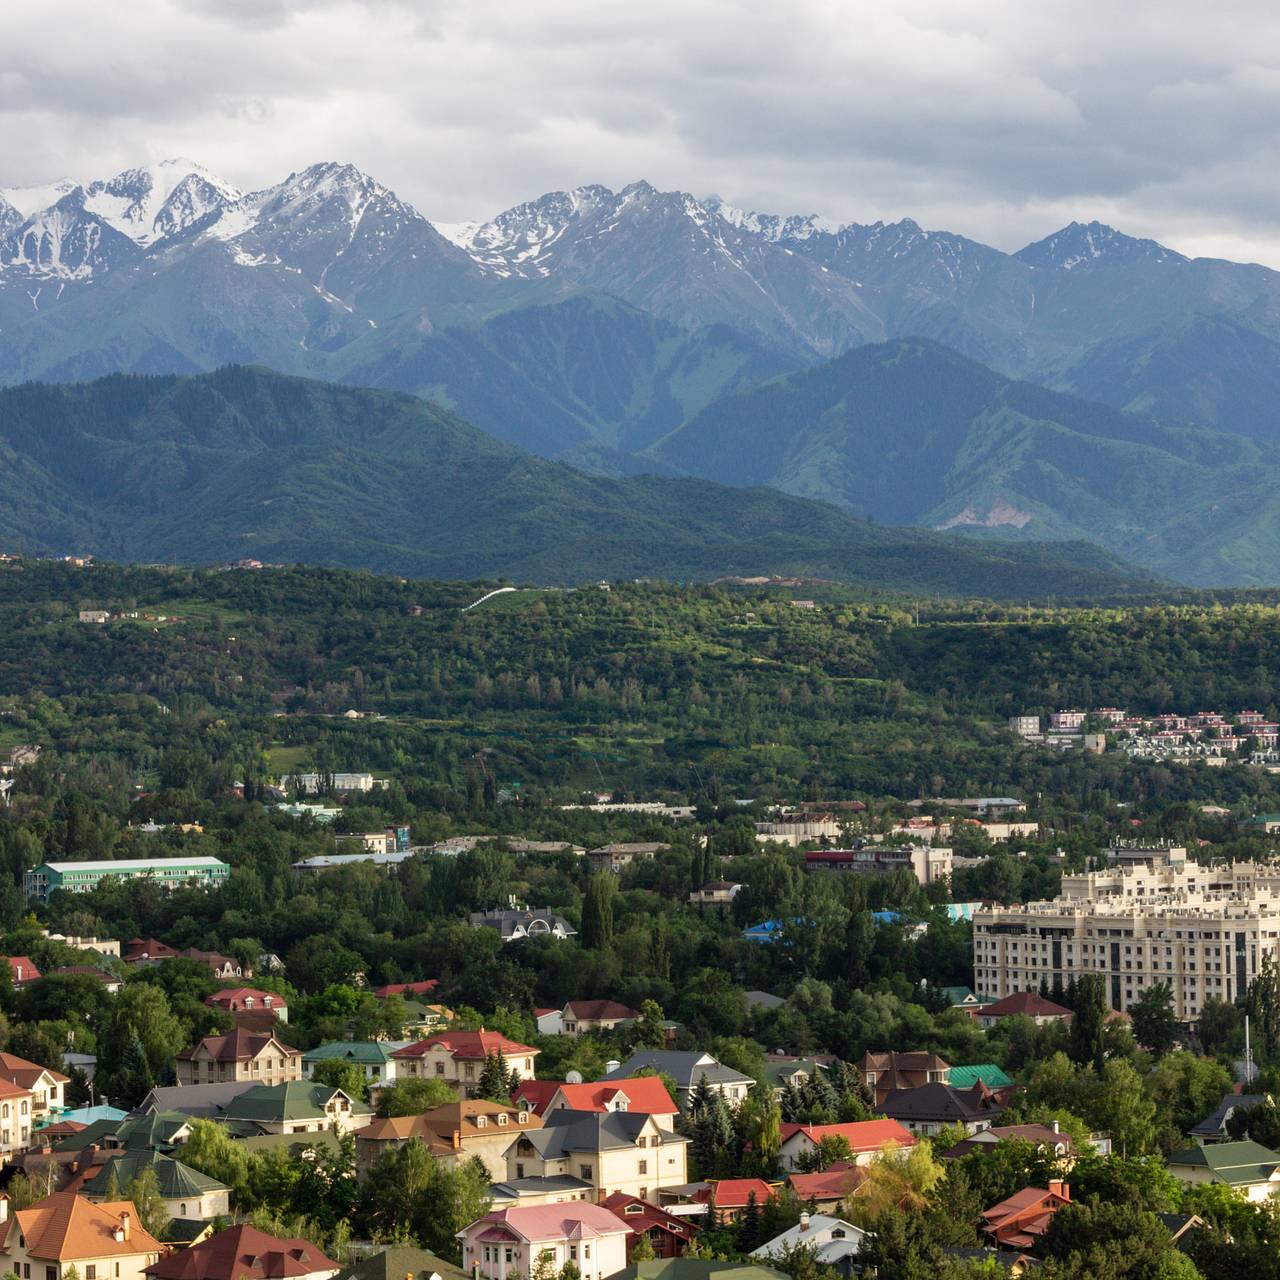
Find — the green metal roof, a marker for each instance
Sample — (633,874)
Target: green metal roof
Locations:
(176,1180)
(156,1129)
(297,1100)
(777,1072)
(990,1075)
(1235,1163)
(370,1053)
(696,1269)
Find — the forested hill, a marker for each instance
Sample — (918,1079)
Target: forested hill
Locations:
(247,463)
(913,432)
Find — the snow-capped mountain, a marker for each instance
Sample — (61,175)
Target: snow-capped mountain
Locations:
(168,267)
(1090,244)
(158,201)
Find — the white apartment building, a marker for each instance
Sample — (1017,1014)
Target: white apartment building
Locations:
(1203,931)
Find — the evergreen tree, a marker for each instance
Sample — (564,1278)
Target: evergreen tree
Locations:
(597,912)
(495,1080)
(749,1226)
(1088,1027)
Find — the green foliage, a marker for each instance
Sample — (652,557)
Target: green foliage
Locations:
(414,1095)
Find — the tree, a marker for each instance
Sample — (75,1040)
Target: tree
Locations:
(895,1180)
(643,1249)
(144,1191)
(494,1084)
(1087,1027)
(1154,1023)
(413,1096)
(597,912)
(1262,1003)
(649,1032)
(338,1073)
(210,1149)
(749,1225)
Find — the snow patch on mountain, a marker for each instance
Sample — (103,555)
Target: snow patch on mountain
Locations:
(156,201)
(1087,244)
(772,226)
(31,200)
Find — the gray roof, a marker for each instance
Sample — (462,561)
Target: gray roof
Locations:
(1212,1125)
(206,1101)
(513,1188)
(507,921)
(764,1000)
(939,1102)
(686,1068)
(564,1131)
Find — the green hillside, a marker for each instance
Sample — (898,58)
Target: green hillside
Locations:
(247,463)
(910,432)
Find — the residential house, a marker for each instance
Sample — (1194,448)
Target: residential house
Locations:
(64,1230)
(717,894)
(146,951)
(22,971)
(764,1000)
(833,1241)
(582,1017)
(550,1022)
(458,1057)
(612,1150)
(250,1000)
(731,1195)
(187,1193)
(866,1139)
(239,1055)
(372,1057)
(423,1019)
(784,1072)
(516,923)
(513,1242)
(931,1107)
(1019,1221)
(1022,1004)
(616,857)
(110,983)
(884,1073)
(151,1131)
(557,1189)
(197,1101)
(641,1095)
(1246,1167)
(687,1069)
(244,1253)
(222,966)
(669,1236)
(828,1190)
(1213,1128)
(402,1262)
(1047,1138)
(452,1133)
(46,1089)
(296,1107)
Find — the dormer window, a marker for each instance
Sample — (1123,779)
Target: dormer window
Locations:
(502,1118)
(481,1121)
(522,1116)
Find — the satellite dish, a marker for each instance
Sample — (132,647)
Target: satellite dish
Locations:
(573,1077)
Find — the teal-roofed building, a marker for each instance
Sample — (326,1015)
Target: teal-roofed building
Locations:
(373,1057)
(980,1073)
(83,877)
(1247,1167)
(296,1107)
(187,1193)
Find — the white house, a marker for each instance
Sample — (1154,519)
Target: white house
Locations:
(513,1241)
(832,1239)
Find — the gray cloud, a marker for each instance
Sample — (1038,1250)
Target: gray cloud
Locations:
(996,118)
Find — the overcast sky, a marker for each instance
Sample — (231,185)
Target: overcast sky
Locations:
(1002,119)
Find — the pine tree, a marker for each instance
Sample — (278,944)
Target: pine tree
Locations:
(1089,1024)
(749,1227)
(494,1079)
(597,912)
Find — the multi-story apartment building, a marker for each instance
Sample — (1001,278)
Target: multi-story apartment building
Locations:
(1202,931)
(84,877)
(926,863)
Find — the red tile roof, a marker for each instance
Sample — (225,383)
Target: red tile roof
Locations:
(22,969)
(65,1227)
(243,1252)
(833,1184)
(861,1135)
(733,1193)
(646,1094)
(423,988)
(1030,1003)
(643,1215)
(234,997)
(26,1074)
(467,1044)
(536,1093)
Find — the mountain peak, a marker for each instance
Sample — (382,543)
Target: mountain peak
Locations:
(1091,244)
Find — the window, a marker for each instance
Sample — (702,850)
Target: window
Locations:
(481,1121)
(644,1168)
(519,1171)
(508,1256)
(502,1118)
(573,1253)
(439,1068)
(642,1142)
(182,1213)
(91,1272)
(584,1172)
(586,1251)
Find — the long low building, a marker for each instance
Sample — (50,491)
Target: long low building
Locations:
(84,877)
(1202,931)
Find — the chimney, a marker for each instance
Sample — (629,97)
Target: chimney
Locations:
(4,1207)
(126,1225)
(1059,1188)
(1055,1126)
(457,1140)
(804,1222)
